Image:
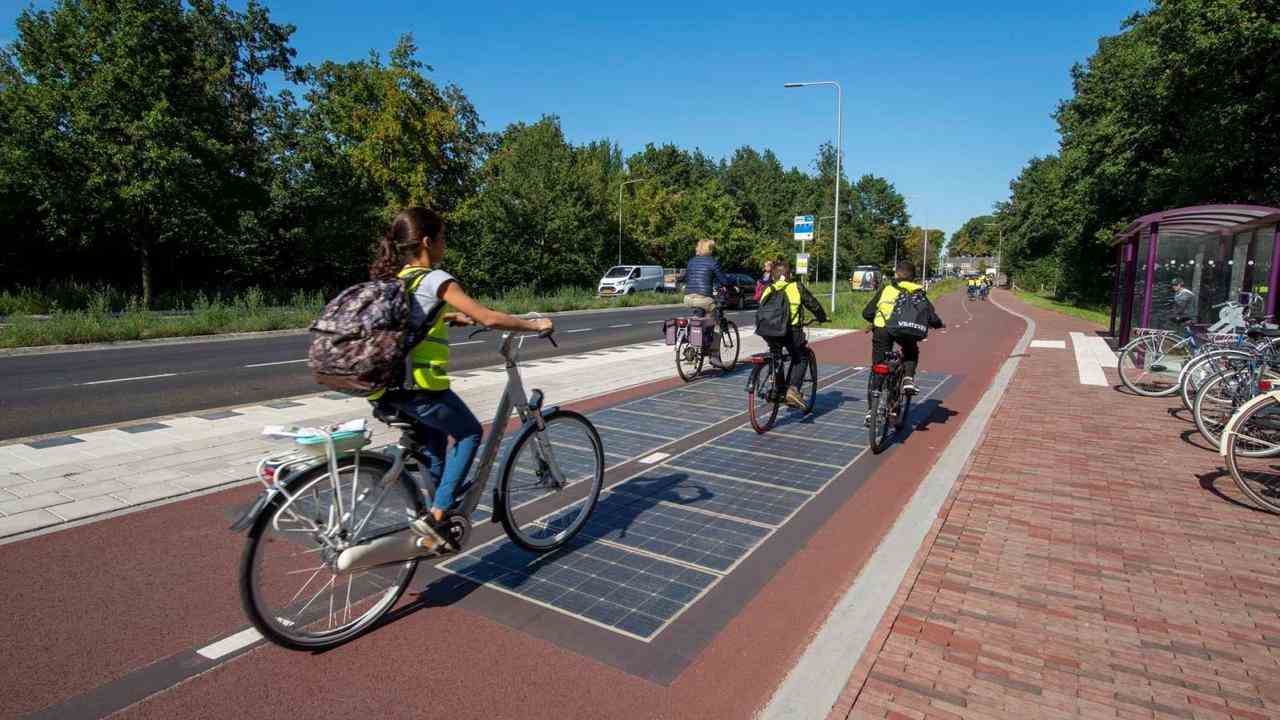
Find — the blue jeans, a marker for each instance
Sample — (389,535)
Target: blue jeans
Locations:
(438,416)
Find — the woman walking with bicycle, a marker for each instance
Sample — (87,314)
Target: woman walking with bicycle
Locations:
(412,250)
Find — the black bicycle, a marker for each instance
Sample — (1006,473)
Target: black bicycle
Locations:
(889,405)
(767,386)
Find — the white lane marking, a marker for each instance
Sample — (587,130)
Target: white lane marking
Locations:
(1101,351)
(466,342)
(578,330)
(654,458)
(622,325)
(1056,344)
(230,644)
(1088,367)
(282,362)
(129,379)
(655,322)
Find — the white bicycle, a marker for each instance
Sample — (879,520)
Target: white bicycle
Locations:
(330,545)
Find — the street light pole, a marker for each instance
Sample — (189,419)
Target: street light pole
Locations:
(620,187)
(835,240)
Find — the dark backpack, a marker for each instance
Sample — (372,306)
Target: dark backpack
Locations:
(363,337)
(912,313)
(773,315)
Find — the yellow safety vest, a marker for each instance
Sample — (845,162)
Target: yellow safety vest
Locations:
(429,359)
(793,298)
(889,298)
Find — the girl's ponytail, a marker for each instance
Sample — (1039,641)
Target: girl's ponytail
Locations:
(400,243)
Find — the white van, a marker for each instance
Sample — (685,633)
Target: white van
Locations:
(626,279)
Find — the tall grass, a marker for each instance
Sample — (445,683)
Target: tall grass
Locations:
(85,313)
(98,322)
(1093,312)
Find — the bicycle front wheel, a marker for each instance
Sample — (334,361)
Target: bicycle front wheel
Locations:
(1198,371)
(290,586)
(1150,365)
(809,384)
(1253,451)
(730,346)
(565,458)
(762,396)
(1219,399)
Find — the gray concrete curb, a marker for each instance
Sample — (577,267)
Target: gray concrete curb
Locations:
(814,685)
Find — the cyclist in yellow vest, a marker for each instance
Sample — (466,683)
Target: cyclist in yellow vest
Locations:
(877,313)
(794,340)
(413,249)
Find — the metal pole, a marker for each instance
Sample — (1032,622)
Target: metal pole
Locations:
(835,240)
(620,187)
(835,237)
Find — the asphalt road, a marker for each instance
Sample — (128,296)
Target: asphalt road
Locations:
(57,392)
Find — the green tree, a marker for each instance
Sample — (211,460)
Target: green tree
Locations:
(135,126)
(880,223)
(538,219)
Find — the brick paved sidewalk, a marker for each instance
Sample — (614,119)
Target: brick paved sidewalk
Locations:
(1092,561)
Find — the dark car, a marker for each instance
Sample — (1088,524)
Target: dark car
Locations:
(742,291)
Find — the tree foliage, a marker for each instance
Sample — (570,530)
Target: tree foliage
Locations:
(140,134)
(1178,109)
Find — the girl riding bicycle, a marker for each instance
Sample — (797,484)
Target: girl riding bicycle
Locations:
(413,245)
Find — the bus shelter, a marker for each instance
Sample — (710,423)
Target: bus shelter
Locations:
(1218,252)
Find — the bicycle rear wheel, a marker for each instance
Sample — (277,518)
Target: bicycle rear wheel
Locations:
(1253,453)
(881,421)
(730,346)
(567,453)
(289,584)
(762,396)
(688,359)
(1150,365)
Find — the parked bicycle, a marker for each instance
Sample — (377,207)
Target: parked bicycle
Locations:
(332,543)
(889,405)
(695,335)
(1152,364)
(1250,444)
(768,382)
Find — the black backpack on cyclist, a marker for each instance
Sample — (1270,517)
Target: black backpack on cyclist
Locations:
(773,315)
(911,317)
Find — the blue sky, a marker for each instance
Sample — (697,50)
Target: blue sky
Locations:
(948,100)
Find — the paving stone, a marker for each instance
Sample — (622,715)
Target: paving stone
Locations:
(43,486)
(87,507)
(206,480)
(32,502)
(93,489)
(143,428)
(148,493)
(27,521)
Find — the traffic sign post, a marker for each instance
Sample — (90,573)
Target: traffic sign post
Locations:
(804,227)
(802,263)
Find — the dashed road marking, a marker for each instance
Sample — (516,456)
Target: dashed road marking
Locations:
(621,326)
(129,379)
(281,362)
(230,644)
(578,330)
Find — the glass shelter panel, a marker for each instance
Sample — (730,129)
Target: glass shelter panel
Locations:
(1140,279)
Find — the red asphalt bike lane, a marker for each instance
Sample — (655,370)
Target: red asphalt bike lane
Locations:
(91,604)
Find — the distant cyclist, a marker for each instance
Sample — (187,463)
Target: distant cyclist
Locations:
(877,313)
(973,287)
(704,278)
(411,248)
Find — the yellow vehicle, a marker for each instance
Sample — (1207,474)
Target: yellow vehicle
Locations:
(865,277)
